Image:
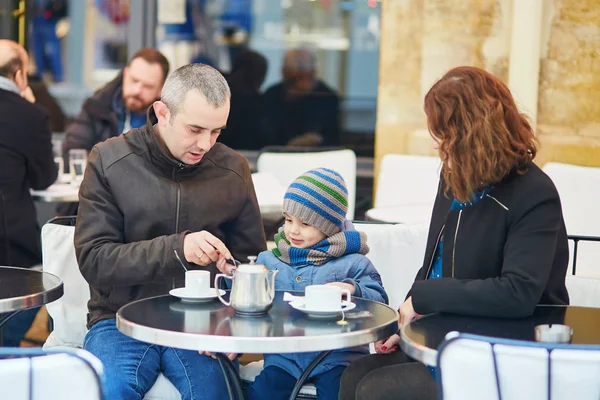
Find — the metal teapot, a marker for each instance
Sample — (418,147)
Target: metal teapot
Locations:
(252,289)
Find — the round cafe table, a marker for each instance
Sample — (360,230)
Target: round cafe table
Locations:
(421,337)
(167,321)
(23,288)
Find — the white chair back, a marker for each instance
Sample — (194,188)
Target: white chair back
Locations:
(583,292)
(579,190)
(288,166)
(397,252)
(474,368)
(407,179)
(69,313)
(73,375)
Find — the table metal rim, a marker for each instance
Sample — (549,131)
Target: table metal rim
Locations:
(415,350)
(237,344)
(32,300)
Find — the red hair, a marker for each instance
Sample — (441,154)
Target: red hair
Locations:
(482,135)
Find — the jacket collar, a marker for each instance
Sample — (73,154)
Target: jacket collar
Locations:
(9,85)
(159,155)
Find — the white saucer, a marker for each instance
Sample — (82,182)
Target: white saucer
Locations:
(300,306)
(192,298)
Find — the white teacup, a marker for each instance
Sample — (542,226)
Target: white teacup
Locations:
(325,297)
(197,283)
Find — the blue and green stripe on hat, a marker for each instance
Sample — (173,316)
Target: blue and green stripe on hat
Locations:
(319,198)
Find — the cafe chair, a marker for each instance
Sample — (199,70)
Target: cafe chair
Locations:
(405,181)
(396,251)
(69,313)
(287,163)
(474,367)
(33,373)
(579,189)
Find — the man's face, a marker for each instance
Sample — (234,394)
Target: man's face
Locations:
(142,83)
(299,83)
(195,128)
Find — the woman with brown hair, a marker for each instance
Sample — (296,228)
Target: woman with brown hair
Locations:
(497,243)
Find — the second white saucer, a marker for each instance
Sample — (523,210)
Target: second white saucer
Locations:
(195,298)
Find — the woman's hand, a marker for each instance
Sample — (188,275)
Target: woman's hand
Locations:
(387,346)
(407,314)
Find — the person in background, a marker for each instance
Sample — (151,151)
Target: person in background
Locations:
(315,246)
(247,127)
(497,243)
(151,199)
(26,162)
(117,107)
(302,109)
(121,104)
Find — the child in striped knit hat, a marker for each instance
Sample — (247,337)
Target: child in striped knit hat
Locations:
(316,245)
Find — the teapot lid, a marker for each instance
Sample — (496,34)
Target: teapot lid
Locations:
(252,267)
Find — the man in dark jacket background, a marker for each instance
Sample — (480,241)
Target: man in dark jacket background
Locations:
(121,104)
(117,107)
(164,188)
(26,162)
(302,110)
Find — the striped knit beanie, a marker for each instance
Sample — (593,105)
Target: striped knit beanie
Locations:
(319,198)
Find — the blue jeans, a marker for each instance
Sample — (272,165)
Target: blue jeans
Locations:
(131,367)
(274,383)
(14,331)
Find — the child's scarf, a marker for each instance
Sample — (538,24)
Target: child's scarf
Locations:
(338,245)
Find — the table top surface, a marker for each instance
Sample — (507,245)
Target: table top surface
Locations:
(22,288)
(421,338)
(57,192)
(167,321)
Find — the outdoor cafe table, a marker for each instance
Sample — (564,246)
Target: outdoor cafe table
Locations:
(24,288)
(421,337)
(167,321)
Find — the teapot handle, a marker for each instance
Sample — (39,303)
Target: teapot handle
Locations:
(227,303)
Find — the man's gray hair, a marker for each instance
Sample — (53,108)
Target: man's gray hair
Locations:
(200,77)
(300,60)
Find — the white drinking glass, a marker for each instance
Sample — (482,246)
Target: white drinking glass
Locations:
(77,163)
(58,157)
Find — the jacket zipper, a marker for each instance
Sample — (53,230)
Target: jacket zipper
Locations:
(454,245)
(178,202)
(434,250)
(173,281)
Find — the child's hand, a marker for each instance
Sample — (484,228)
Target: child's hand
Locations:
(342,285)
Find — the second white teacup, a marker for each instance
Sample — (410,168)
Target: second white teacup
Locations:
(197,282)
(325,297)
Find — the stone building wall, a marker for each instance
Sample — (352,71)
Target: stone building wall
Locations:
(421,39)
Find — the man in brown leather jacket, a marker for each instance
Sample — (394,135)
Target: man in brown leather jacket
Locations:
(165,187)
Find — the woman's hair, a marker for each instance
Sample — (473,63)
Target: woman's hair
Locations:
(482,135)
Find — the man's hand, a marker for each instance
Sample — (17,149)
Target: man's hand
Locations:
(202,248)
(342,285)
(27,94)
(231,356)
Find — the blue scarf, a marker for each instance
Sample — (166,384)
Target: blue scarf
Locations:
(336,246)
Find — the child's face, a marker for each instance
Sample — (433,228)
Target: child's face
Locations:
(300,234)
